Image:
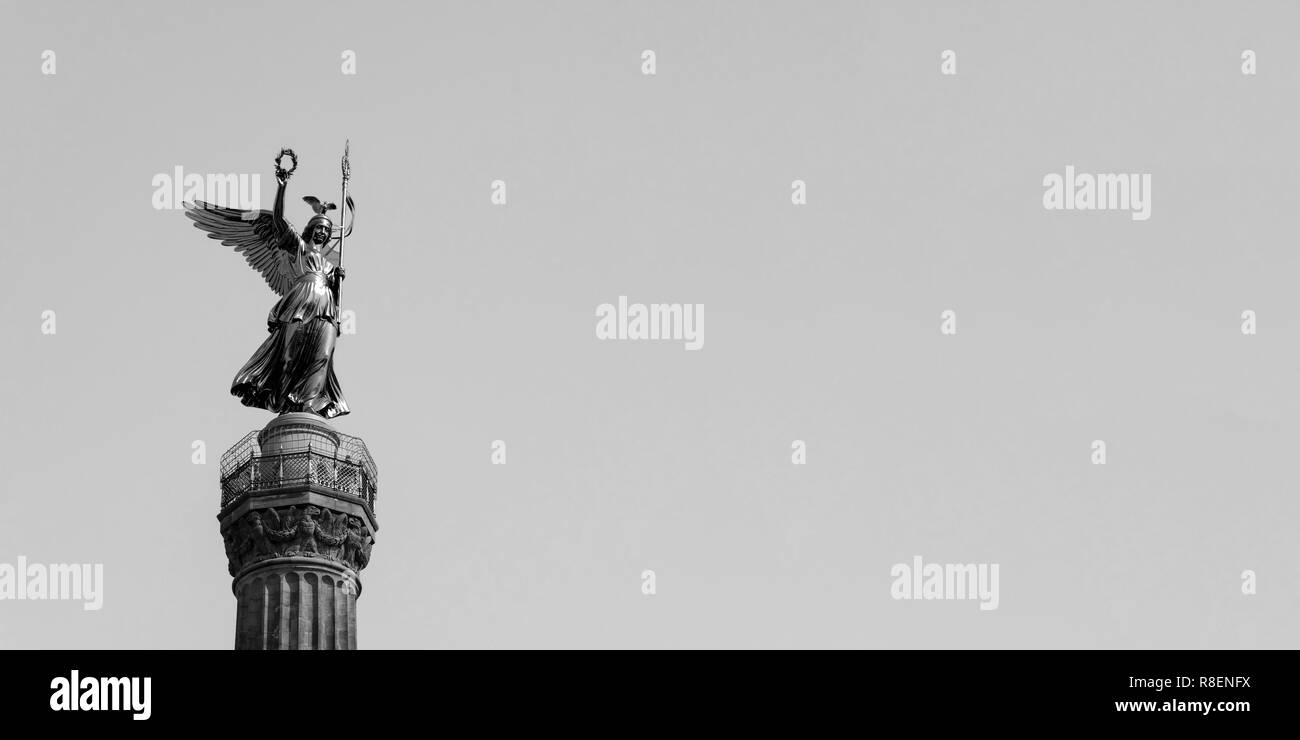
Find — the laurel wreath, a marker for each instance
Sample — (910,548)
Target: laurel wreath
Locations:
(282,172)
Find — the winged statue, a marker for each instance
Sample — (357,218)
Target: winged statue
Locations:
(293,369)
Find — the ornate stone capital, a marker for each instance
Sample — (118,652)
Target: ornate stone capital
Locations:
(309,531)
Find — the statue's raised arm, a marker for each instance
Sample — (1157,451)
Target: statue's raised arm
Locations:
(265,238)
(282,229)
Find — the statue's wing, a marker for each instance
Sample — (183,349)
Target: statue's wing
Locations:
(251,233)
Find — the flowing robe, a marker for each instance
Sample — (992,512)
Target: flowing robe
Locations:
(293,370)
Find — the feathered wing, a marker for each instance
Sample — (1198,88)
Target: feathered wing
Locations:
(317,206)
(253,234)
(272,516)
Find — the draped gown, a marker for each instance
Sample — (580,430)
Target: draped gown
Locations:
(293,370)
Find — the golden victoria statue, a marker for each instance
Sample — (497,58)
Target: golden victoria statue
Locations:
(293,370)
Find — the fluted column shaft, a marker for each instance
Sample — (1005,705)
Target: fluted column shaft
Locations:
(296,604)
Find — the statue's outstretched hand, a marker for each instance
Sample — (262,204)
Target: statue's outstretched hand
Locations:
(340,273)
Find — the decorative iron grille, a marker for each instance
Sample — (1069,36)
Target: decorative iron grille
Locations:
(349,469)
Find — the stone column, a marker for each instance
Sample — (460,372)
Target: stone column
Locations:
(296,604)
(298,529)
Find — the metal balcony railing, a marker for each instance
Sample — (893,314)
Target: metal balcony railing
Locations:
(349,469)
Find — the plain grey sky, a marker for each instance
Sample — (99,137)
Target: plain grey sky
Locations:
(476,322)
